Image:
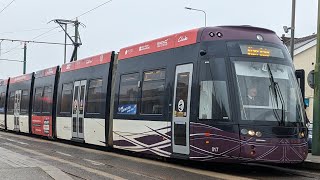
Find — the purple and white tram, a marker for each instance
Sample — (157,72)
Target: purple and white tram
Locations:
(190,95)
(221,94)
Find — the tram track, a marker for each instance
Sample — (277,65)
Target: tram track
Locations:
(177,166)
(62,152)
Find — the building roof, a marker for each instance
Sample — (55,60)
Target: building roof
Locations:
(299,42)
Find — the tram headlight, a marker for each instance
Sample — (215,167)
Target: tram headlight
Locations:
(244,131)
(219,34)
(251,132)
(258,134)
(301,134)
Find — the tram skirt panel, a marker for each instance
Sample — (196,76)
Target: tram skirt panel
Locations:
(151,137)
(10,122)
(94,131)
(2,121)
(64,128)
(24,123)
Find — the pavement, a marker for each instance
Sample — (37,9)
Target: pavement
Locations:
(312,162)
(17,166)
(23,157)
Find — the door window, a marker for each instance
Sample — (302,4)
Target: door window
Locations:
(181,109)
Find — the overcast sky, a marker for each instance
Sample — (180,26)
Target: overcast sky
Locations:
(121,23)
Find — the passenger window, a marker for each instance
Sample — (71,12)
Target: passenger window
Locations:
(37,100)
(214,103)
(47,100)
(66,99)
(11,102)
(153,92)
(94,96)
(128,94)
(25,102)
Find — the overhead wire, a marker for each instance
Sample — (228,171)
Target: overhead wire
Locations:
(26,30)
(36,37)
(15,47)
(7,6)
(87,12)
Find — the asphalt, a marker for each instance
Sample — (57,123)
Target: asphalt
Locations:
(312,162)
(23,157)
(33,158)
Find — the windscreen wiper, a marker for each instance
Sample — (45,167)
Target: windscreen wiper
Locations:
(275,90)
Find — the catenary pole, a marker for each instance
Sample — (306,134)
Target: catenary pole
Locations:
(24,58)
(76,38)
(293,17)
(316,104)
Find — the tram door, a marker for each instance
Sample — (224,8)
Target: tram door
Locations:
(181,109)
(79,97)
(17,109)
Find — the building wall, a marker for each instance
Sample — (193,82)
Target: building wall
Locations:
(306,60)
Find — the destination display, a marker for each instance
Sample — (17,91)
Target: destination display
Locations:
(262,51)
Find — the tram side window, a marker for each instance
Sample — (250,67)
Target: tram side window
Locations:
(2,102)
(128,94)
(47,100)
(94,96)
(153,92)
(24,102)
(37,100)
(214,103)
(66,99)
(11,103)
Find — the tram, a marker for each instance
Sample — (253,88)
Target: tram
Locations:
(3,102)
(19,107)
(43,106)
(220,94)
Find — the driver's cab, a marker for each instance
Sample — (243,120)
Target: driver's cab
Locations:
(267,92)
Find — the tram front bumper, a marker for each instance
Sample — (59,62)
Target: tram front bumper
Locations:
(273,150)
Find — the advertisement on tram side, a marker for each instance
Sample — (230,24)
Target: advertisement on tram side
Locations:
(42,125)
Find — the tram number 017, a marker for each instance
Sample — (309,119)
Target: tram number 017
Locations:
(215,149)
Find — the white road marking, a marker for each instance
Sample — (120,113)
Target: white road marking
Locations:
(101,173)
(11,140)
(140,160)
(65,154)
(94,162)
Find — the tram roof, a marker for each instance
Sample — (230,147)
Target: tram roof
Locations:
(21,78)
(199,35)
(87,62)
(4,82)
(46,72)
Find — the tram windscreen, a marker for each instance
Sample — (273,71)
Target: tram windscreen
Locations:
(268,92)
